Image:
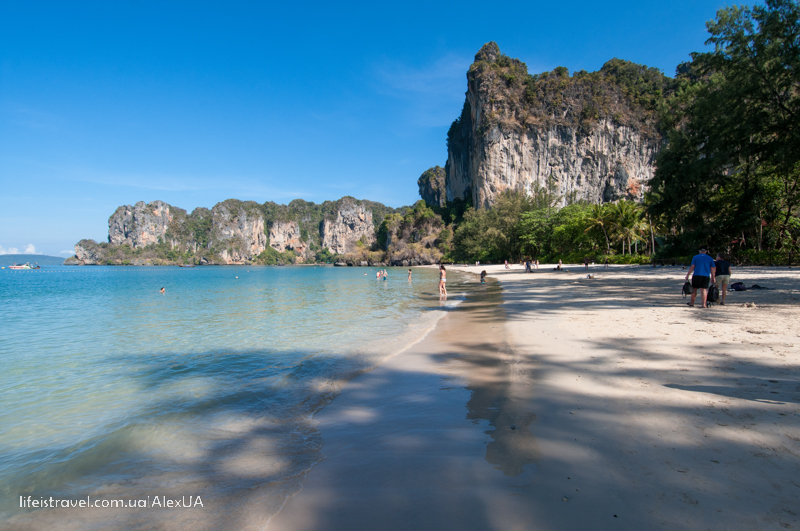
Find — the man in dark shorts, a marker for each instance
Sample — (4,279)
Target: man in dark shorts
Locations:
(703,267)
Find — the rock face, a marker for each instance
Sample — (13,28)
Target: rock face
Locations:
(432,187)
(285,236)
(87,252)
(233,232)
(581,136)
(139,225)
(237,230)
(351,223)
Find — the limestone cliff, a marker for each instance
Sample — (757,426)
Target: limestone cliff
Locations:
(432,186)
(237,230)
(88,252)
(352,223)
(139,225)
(591,136)
(286,236)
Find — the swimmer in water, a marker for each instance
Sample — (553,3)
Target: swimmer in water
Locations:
(162,290)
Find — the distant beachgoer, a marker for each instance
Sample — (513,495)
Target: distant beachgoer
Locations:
(702,270)
(409,275)
(385,274)
(559,264)
(527,266)
(605,265)
(442,280)
(536,263)
(586,263)
(483,277)
(723,274)
(378,275)
(478,263)
(506,264)
(162,290)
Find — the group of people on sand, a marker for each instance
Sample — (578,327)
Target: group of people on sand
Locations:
(530,265)
(706,271)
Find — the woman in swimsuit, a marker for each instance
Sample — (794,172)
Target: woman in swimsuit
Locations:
(442,280)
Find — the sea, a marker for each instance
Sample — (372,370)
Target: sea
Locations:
(110,388)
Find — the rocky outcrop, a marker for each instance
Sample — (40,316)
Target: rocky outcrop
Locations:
(139,225)
(88,252)
(234,232)
(285,236)
(582,136)
(352,223)
(237,230)
(432,186)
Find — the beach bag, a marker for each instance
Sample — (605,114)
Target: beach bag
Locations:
(687,289)
(738,286)
(713,294)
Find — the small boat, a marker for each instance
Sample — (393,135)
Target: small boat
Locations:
(186,265)
(26,265)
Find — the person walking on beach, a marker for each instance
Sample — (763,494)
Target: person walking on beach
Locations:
(506,264)
(723,274)
(605,265)
(536,264)
(586,263)
(702,271)
(559,264)
(527,266)
(442,281)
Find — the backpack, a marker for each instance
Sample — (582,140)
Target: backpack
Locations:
(713,294)
(687,289)
(738,286)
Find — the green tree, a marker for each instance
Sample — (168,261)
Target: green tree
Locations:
(733,131)
(599,217)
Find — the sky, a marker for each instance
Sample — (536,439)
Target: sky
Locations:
(104,104)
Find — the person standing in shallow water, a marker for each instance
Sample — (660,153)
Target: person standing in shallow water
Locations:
(409,275)
(442,281)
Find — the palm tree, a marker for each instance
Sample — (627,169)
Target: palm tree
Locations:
(627,223)
(600,217)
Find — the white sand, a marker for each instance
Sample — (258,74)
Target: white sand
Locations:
(632,411)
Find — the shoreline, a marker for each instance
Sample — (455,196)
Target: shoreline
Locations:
(631,411)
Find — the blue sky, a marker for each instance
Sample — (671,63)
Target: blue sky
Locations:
(108,103)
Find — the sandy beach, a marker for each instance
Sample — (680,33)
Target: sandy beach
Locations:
(552,401)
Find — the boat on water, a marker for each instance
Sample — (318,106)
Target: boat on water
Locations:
(26,265)
(186,265)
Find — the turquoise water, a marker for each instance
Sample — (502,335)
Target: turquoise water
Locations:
(107,384)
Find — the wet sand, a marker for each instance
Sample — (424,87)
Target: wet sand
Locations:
(631,411)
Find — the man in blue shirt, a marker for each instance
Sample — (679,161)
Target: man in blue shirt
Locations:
(703,267)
